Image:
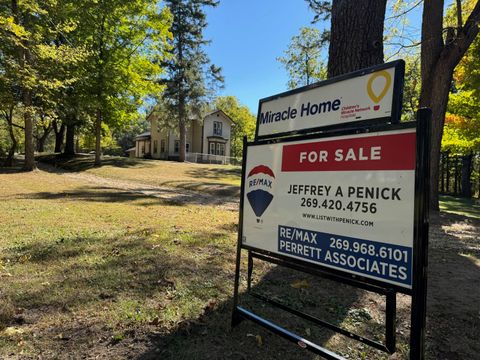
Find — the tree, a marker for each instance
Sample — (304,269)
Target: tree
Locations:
(356,35)
(441,51)
(126,41)
(32,60)
(189,68)
(244,122)
(18,22)
(302,58)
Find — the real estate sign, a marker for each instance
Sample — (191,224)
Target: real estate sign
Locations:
(345,203)
(357,97)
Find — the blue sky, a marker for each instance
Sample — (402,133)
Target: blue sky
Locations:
(247,36)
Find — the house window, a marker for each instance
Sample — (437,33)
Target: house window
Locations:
(162,145)
(155,146)
(217,128)
(216,148)
(143,148)
(187,147)
(176,146)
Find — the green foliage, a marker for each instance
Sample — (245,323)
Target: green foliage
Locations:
(125,41)
(302,58)
(461,133)
(79,58)
(411,90)
(244,122)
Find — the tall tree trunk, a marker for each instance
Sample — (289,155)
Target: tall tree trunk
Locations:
(466,173)
(98,138)
(59,136)
(29,164)
(24,59)
(13,147)
(439,60)
(183,130)
(70,140)
(356,35)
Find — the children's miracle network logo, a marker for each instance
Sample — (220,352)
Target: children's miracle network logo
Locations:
(375,93)
(260,181)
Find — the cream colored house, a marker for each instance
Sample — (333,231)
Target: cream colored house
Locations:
(207,140)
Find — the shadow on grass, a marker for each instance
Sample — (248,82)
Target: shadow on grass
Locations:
(211,337)
(101,194)
(460,206)
(207,187)
(79,163)
(217,173)
(123,273)
(452,320)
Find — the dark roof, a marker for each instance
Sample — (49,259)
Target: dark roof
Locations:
(142,136)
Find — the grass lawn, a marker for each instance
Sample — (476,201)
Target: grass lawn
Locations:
(104,259)
(460,206)
(93,270)
(216,179)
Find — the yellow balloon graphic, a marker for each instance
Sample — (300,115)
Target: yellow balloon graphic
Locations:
(388,81)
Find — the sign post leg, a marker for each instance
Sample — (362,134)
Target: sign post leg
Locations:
(420,259)
(236,318)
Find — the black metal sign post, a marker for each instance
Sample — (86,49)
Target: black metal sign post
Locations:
(389,290)
(420,255)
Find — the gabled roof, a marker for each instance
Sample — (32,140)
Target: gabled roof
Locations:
(219,111)
(207,114)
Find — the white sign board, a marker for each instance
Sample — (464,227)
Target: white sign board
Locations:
(366,95)
(345,203)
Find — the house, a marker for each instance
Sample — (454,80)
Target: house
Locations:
(207,141)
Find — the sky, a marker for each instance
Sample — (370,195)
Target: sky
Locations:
(247,36)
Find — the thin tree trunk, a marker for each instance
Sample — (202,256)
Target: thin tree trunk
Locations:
(13,147)
(98,138)
(28,119)
(59,136)
(455,183)
(356,35)
(70,140)
(182,129)
(466,173)
(41,139)
(442,173)
(24,59)
(448,173)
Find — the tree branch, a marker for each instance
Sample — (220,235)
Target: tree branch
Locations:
(406,11)
(465,37)
(18,126)
(459,14)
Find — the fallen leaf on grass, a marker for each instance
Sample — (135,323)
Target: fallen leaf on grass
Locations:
(258,339)
(300,284)
(13,331)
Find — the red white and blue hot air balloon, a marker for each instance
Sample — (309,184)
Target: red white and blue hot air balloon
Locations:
(259,188)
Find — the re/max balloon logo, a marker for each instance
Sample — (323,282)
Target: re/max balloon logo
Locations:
(260,181)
